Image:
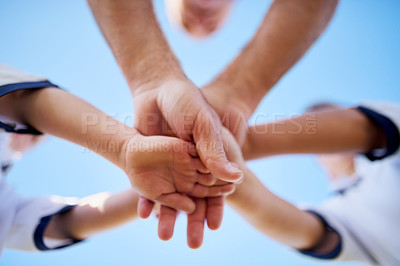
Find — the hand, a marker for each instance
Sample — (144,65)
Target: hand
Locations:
(210,209)
(164,170)
(231,109)
(178,107)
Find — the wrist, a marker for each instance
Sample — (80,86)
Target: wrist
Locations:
(153,72)
(263,140)
(155,81)
(236,94)
(126,145)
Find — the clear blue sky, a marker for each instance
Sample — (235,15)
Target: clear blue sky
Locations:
(357,59)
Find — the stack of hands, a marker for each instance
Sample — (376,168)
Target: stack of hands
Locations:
(180,156)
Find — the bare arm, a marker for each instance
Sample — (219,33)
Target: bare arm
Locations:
(273,216)
(268,213)
(93,214)
(134,36)
(286,33)
(342,130)
(59,113)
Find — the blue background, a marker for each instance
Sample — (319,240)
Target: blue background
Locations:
(356,59)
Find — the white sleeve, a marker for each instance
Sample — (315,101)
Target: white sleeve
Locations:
(23,220)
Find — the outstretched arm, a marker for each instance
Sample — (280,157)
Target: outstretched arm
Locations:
(61,114)
(273,216)
(268,213)
(288,30)
(94,214)
(338,130)
(133,34)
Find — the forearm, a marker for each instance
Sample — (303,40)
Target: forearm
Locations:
(286,33)
(273,216)
(132,32)
(93,214)
(343,130)
(56,112)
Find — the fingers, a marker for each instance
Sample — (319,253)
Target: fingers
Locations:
(206,208)
(222,169)
(145,207)
(199,166)
(191,149)
(210,148)
(177,201)
(195,225)
(166,223)
(201,191)
(215,210)
(207,180)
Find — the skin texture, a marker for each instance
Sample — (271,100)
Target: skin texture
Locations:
(85,125)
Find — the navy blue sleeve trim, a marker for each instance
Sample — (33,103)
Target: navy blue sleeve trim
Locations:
(12,129)
(39,232)
(8,88)
(332,254)
(389,128)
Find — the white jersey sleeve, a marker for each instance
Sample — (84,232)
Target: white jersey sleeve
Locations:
(24,220)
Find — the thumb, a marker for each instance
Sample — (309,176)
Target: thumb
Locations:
(207,136)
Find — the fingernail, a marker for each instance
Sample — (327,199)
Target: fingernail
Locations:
(234,168)
(236,172)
